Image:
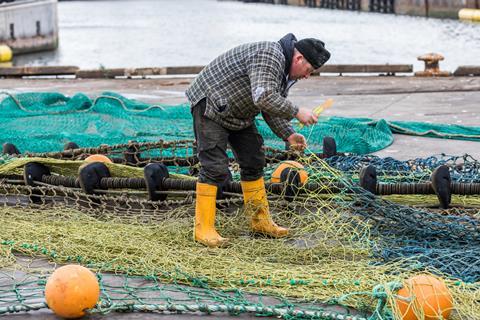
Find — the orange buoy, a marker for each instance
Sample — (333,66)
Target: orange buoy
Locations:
(98,158)
(289,164)
(429,299)
(70,290)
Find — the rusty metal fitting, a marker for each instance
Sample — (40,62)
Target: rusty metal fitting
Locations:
(432,66)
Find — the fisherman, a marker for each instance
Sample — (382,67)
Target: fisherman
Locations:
(226,97)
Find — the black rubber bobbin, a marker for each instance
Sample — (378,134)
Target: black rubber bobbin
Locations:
(132,154)
(90,176)
(329,147)
(32,172)
(442,185)
(10,148)
(155,174)
(70,145)
(291,179)
(368,178)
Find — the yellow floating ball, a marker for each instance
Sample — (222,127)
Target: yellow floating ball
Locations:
(289,164)
(6,54)
(70,290)
(98,158)
(429,299)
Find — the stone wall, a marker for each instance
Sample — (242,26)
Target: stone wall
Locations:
(433,8)
(430,8)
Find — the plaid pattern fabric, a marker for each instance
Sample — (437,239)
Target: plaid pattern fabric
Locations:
(243,82)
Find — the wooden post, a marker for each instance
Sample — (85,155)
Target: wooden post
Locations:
(365,5)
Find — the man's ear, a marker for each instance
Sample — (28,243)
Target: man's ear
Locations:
(298,57)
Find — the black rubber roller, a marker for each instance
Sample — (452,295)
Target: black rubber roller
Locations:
(70,145)
(32,172)
(10,149)
(368,178)
(329,147)
(291,179)
(155,174)
(90,176)
(442,185)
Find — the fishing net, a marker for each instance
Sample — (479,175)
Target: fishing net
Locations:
(347,248)
(347,255)
(44,122)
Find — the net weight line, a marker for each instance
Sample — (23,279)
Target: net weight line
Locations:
(94,178)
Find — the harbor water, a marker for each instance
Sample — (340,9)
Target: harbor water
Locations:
(154,33)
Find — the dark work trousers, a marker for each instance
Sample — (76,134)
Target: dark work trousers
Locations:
(212,139)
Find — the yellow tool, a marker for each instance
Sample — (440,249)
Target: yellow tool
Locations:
(324,106)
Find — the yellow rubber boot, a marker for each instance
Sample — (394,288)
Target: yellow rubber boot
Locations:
(205,232)
(255,199)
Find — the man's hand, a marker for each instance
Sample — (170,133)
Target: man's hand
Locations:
(306,116)
(297,141)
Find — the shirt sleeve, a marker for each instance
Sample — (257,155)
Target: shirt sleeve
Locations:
(281,127)
(265,69)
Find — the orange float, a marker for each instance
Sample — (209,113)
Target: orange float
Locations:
(289,164)
(98,158)
(70,290)
(429,299)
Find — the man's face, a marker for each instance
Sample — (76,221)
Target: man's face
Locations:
(300,68)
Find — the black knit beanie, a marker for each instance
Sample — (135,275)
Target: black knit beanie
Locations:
(314,51)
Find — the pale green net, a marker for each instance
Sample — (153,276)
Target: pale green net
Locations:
(346,248)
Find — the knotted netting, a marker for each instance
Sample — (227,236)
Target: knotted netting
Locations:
(45,121)
(347,247)
(464,170)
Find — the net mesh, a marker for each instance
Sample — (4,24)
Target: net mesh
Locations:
(347,247)
(42,122)
(348,253)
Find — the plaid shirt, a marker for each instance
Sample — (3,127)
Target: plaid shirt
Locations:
(243,82)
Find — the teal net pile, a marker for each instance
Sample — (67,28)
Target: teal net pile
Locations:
(44,122)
